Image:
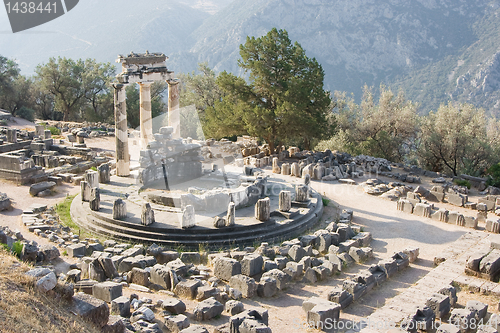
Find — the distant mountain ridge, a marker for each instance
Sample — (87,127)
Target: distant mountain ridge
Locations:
(433,49)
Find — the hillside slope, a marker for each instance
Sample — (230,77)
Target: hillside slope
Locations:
(23,310)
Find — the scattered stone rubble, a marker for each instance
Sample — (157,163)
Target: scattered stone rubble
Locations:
(418,203)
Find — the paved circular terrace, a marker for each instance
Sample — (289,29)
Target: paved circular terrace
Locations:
(247,230)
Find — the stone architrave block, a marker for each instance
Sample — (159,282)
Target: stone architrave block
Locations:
(440,215)
(251,264)
(320,312)
(207,309)
(121,306)
(405,205)
(493,225)
(456,218)
(107,291)
(470,222)
(225,268)
(282,279)
(422,209)
(456,199)
(246,285)
(187,289)
(91,309)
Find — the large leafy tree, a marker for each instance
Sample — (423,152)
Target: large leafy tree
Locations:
(455,139)
(9,72)
(283,101)
(385,129)
(74,84)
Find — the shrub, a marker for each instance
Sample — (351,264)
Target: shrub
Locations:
(17,248)
(26,113)
(494,175)
(54,130)
(462,182)
(325,201)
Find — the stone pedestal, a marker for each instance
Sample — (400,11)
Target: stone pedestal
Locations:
(104,173)
(295,170)
(47,134)
(147,214)
(121,134)
(285,169)
(80,139)
(85,190)
(263,209)
(95,199)
(285,203)
(92,177)
(188,217)
(146,119)
(174,119)
(119,209)
(231,213)
(276,168)
(301,193)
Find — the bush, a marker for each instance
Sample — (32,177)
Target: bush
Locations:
(494,175)
(17,248)
(462,182)
(26,113)
(54,130)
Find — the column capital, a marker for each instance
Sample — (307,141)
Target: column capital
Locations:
(173,82)
(119,86)
(145,84)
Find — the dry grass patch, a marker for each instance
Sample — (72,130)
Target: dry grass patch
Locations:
(22,309)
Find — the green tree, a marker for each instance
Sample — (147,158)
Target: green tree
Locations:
(74,84)
(386,129)
(284,100)
(97,82)
(454,139)
(9,71)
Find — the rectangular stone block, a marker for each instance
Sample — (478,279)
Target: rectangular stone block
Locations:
(107,291)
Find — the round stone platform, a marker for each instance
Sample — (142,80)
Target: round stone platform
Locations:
(247,230)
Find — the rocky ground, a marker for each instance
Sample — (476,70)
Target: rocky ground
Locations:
(392,231)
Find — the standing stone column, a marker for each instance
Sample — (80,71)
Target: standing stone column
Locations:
(231,214)
(174,118)
(276,168)
(122,153)
(285,169)
(40,131)
(147,214)
(95,199)
(285,203)
(301,193)
(92,177)
(104,173)
(295,169)
(263,209)
(146,120)
(119,209)
(12,135)
(188,217)
(85,191)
